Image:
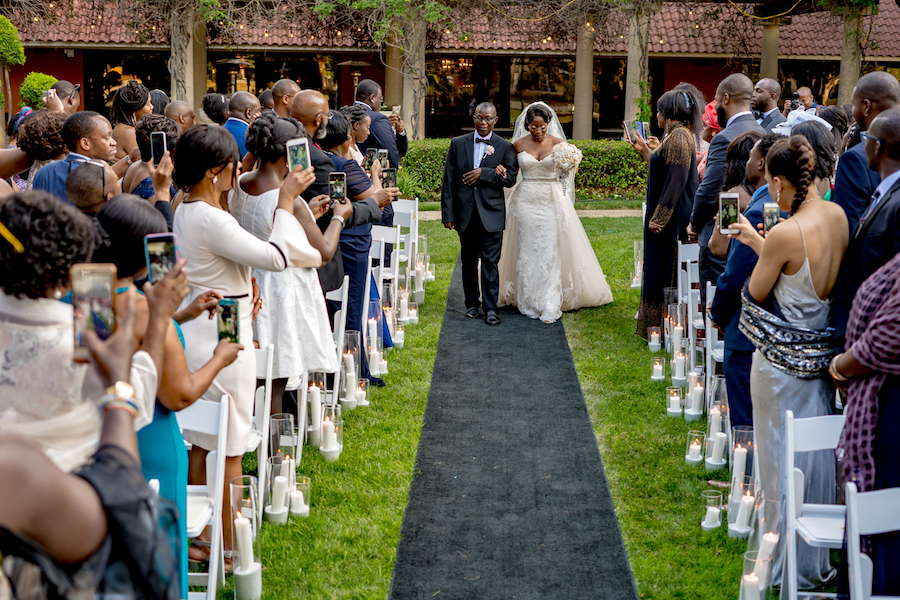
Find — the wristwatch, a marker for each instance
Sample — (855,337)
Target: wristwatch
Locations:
(120,390)
(119,395)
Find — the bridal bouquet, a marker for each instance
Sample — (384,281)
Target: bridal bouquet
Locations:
(565,157)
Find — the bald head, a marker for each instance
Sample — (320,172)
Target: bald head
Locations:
(884,155)
(182,113)
(738,87)
(874,93)
(244,106)
(766,93)
(89,185)
(310,107)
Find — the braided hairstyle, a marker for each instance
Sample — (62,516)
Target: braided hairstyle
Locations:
(354,113)
(129,99)
(795,160)
(268,135)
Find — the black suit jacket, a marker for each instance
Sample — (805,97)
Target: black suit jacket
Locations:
(873,244)
(458,200)
(383,136)
(854,184)
(331,274)
(706,200)
(773,119)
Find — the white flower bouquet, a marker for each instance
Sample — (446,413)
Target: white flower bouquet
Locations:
(565,157)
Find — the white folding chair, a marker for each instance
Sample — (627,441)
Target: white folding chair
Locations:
(820,525)
(715,348)
(342,295)
(262,412)
(204,502)
(687,253)
(410,245)
(696,324)
(389,235)
(868,513)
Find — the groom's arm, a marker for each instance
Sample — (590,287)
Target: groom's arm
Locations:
(489,177)
(447,186)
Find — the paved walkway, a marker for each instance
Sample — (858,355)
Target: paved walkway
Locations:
(435,215)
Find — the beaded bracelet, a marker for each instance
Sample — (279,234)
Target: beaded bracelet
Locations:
(110,402)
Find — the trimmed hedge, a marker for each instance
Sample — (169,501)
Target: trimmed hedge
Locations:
(32,87)
(608,167)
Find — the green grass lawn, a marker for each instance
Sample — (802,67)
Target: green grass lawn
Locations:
(346,548)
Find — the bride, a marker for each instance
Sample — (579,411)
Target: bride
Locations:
(547,264)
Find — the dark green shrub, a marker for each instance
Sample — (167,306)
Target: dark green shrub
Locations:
(608,167)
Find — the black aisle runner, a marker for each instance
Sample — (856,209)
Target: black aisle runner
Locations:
(508,497)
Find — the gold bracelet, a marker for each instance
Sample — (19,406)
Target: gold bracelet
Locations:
(832,369)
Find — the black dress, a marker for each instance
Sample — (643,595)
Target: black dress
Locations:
(671,184)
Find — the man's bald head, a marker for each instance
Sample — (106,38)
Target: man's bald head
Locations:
(738,87)
(886,129)
(283,93)
(310,107)
(89,185)
(182,113)
(874,93)
(244,106)
(766,93)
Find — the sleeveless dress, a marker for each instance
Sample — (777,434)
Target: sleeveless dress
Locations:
(773,392)
(547,264)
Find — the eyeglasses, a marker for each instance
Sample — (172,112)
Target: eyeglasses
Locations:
(76,90)
(94,163)
(485,119)
(865,137)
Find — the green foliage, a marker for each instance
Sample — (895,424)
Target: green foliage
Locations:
(32,88)
(410,184)
(210,10)
(645,102)
(608,167)
(11,51)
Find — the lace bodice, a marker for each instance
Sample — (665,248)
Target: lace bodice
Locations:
(533,169)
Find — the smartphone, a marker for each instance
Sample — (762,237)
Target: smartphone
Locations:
(45,95)
(395,110)
(389,178)
(645,128)
(161,252)
(628,126)
(771,214)
(93,303)
(227,318)
(157,146)
(369,160)
(728,213)
(337,187)
(383,159)
(298,153)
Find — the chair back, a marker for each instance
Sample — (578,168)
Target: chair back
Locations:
(868,513)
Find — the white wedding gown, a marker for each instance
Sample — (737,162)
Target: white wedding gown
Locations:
(547,264)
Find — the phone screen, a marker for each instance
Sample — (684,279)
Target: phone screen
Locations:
(369,160)
(389,178)
(45,95)
(629,131)
(161,252)
(396,110)
(337,187)
(728,213)
(383,157)
(771,214)
(645,127)
(157,146)
(298,153)
(227,317)
(93,303)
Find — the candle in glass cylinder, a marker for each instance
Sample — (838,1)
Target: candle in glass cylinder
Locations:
(677,335)
(404,308)
(374,363)
(654,338)
(315,401)
(287,469)
(420,277)
(657,371)
(350,370)
(382,365)
(742,521)
(711,521)
(750,587)
(279,493)
(413,315)
(373,331)
(714,422)
(697,398)
(299,508)
(694,452)
(244,532)
(329,438)
(766,551)
(739,465)
(718,453)
(679,365)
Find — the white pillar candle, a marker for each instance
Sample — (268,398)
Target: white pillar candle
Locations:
(766,551)
(413,315)
(654,338)
(420,277)
(329,438)
(382,366)
(714,422)
(279,493)
(244,531)
(750,587)
(350,370)
(674,403)
(374,364)
(697,399)
(712,517)
(315,400)
(679,366)
(677,334)
(658,371)
(694,452)
(718,453)
(360,395)
(742,521)
(399,337)
(404,308)
(373,332)
(739,462)
(299,508)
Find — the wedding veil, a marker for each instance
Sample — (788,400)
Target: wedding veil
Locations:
(555,129)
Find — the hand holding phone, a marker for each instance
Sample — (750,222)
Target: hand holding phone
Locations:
(158,146)
(369,160)
(383,158)
(298,153)
(161,253)
(771,215)
(93,303)
(228,320)
(337,186)
(389,178)
(728,213)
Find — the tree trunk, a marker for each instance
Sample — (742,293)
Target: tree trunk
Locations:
(583,121)
(415,80)
(636,73)
(851,55)
(182,26)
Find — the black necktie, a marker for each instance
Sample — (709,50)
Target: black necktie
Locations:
(872,204)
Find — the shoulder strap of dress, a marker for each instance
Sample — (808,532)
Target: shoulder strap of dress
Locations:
(802,237)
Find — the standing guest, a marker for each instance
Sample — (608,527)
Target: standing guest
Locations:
(736,182)
(160,100)
(387,133)
(360,123)
(733,113)
(266,101)
(220,255)
(69,94)
(808,103)
(283,93)
(822,142)
(90,186)
(868,373)
(243,108)
(710,129)
(836,116)
(788,291)
(20,180)
(138,179)
(294,319)
(215,106)
(876,238)
(764,102)
(40,136)
(131,102)
(855,182)
(725,310)
(182,113)
(310,108)
(671,184)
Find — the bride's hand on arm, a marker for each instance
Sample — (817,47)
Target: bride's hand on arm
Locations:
(501,170)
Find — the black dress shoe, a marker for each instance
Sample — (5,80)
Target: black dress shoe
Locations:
(492,318)
(472,312)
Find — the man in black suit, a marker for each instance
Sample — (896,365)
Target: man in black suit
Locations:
(384,133)
(472,202)
(854,181)
(311,109)
(876,239)
(764,101)
(733,110)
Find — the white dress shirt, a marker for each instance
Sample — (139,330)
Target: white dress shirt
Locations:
(480,148)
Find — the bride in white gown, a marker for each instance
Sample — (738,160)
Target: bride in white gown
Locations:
(547,264)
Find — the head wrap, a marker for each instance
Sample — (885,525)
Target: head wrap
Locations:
(710,119)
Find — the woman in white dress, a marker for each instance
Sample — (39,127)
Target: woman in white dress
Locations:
(547,264)
(293,316)
(220,255)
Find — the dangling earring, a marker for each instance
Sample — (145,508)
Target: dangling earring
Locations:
(215,179)
(778,195)
(57,294)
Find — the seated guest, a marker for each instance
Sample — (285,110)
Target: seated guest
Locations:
(215,106)
(90,185)
(822,141)
(790,288)
(294,318)
(182,113)
(243,108)
(40,136)
(868,373)
(725,309)
(130,103)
